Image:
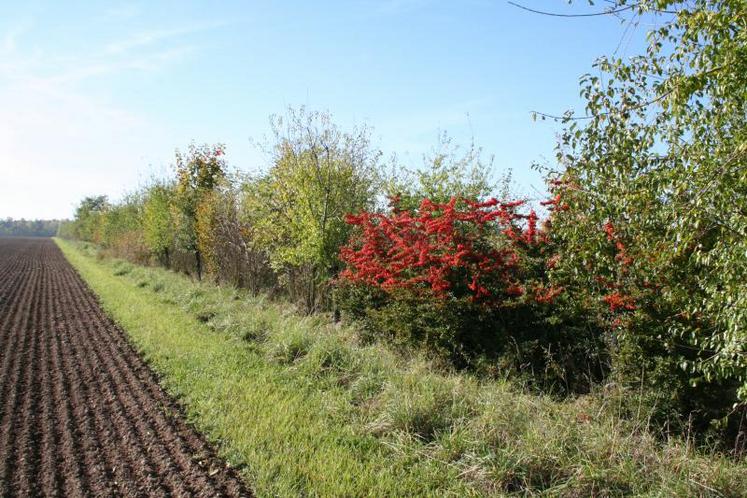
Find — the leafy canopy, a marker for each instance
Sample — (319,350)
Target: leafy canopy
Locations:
(660,154)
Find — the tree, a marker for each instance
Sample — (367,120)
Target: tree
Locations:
(87,216)
(29,228)
(318,175)
(655,179)
(447,172)
(198,173)
(158,225)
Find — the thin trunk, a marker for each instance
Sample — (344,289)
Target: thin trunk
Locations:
(198,258)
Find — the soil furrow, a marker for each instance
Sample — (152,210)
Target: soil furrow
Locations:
(15,384)
(46,472)
(116,423)
(109,421)
(28,436)
(9,334)
(91,474)
(142,387)
(81,414)
(155,441)
(63,464)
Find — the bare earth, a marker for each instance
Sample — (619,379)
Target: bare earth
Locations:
(80,413)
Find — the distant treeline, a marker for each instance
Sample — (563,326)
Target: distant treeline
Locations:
(28,228)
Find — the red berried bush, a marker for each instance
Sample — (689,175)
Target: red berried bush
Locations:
(453,250)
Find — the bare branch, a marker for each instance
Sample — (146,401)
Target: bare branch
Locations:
(555,14)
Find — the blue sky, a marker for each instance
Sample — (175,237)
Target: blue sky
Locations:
(96,96)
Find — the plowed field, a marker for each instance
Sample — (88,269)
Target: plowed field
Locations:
(80,412)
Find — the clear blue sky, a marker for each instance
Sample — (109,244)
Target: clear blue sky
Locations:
(95,96)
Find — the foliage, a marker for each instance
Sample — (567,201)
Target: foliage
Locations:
(158,225)
(447,172)
(659,165)
(120,229)
(226,240)
(29,228)
(88,215)
(318,174)
(198,173)
(454,249)
(469,280)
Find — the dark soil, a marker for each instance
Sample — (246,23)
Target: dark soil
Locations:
(81,414)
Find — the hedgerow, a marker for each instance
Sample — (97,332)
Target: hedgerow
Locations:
(632,272)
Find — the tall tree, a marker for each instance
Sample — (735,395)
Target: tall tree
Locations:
(87,216)
(158,224)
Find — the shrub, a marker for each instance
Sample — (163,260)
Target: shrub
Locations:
(199,173)
(88,216)
(226,239)
(158,225)
(448,171)
(469,281)
(446,249)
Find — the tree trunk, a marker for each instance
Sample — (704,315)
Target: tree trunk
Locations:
(198,258)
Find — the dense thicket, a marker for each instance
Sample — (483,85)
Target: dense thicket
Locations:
(635,273)
(28,228)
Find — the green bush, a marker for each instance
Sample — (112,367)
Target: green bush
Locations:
(551,349)
(297,209)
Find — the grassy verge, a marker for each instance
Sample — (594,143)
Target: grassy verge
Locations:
(304,409)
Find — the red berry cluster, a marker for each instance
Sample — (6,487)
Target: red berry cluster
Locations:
(619,302)
(616,300)
(452,248)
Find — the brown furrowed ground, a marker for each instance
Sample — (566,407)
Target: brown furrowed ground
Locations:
(80,413)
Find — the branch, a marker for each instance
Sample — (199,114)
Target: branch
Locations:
(604,13)
(555,14)
(633,108)
(606,113)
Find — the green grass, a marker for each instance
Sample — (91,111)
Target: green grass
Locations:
(302,408)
